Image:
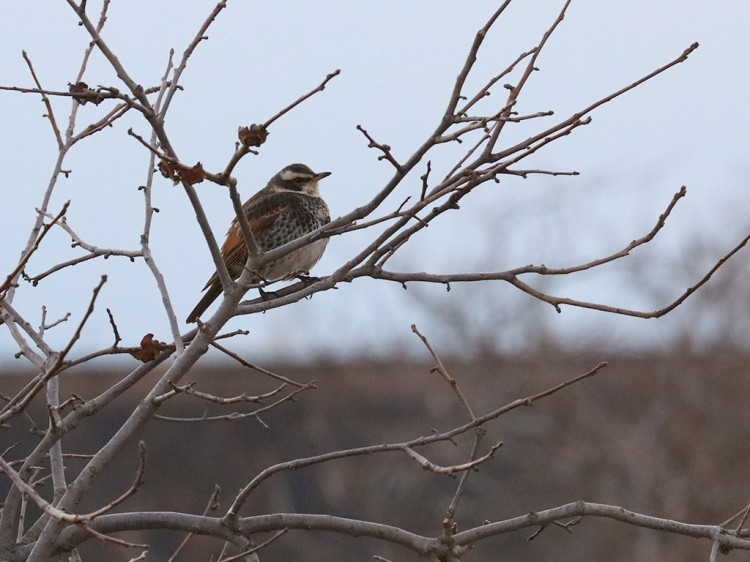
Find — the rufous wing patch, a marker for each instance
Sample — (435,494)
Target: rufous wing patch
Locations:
(260,219)
(233,242)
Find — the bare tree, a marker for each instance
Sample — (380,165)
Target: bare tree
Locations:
(62,524)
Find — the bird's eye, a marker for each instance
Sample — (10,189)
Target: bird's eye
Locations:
(299,179)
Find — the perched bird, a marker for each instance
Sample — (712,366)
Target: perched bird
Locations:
(288,207)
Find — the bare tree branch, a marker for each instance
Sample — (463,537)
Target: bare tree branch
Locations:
(212,505)
(45,99)
(421,545)
(10,279)
(69,517)
(488,157)
(439,368)
(243,495)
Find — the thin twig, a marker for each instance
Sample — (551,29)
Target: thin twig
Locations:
(295,103)
(212,505)
(45,99)
(742,520)
(558,301)
(236,416)
(440,368)
(34,247)
(255,549)
(56,360)
(148,217)
(427,465)
(384,148)
(86,315)
(485,91)
(45,506)
(114,114)
(177,74)
(450,513)
(244,494)
(241,398)
(113,540)
(243,148)
(118,339)
(256,368)
(515,91)
(471,58)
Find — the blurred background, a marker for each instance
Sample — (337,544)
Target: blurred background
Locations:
(663,435)
(660,431)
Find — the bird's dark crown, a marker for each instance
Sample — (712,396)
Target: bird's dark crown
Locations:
(297,177)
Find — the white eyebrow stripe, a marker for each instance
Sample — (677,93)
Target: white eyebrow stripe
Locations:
(288,175)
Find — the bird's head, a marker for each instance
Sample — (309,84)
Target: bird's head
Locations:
(298,177)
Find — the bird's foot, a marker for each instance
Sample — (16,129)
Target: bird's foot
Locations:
(307,279)
(267,295)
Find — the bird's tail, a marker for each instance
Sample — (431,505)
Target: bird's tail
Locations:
(214,290)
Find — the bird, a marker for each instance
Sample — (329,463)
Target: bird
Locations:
(288,207)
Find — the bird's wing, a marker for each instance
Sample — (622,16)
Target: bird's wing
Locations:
(261,215)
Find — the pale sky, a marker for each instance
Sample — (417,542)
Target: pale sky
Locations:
(398,61)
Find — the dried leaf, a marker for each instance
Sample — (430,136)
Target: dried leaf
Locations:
(78,87)
(177,172)
(85,94)
(196,174)
(254,135)
(167,169)
(149,349)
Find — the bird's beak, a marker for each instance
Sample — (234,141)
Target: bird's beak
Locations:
(322,175)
